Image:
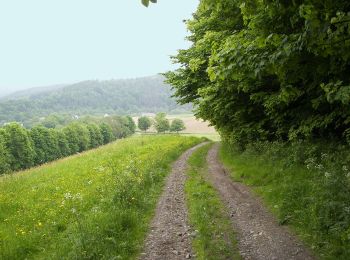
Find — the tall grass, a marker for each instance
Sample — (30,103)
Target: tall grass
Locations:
(96,205)
(307,185)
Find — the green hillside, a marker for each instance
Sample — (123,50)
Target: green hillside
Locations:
(127,96)
(96,205)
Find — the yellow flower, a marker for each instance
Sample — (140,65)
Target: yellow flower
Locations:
(40,224)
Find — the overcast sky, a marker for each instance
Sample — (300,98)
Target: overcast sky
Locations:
(46,42)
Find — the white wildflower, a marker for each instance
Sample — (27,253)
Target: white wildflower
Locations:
(68,196)
(324,155)
(319,166)
(327,174)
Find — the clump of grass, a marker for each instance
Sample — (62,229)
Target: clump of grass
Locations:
(96,205)
(307,186)
(215,238)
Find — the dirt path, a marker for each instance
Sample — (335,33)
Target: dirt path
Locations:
(258,233)
(170,237)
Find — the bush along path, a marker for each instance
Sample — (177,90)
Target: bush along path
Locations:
(170,234)
(258,233)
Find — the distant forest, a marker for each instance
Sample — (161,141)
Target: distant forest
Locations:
(129,96)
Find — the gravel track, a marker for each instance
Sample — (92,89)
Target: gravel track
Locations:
(170,234)
(259,234)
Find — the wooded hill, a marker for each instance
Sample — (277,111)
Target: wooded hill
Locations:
(128,96)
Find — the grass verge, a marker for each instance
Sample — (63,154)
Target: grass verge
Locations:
(96,205)
(305,186)
(215,238)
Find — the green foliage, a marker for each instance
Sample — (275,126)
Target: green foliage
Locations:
(20,147)
(177,125)
(82,136)
(268,70)
(144,123)
(215,238)
(70,209)
(120,126)
(63,144)
(146,2)
(96,137)
(161,123)
(56,120)
(107,133)
(307,185)
(45,143)
(130,125)
(4,154)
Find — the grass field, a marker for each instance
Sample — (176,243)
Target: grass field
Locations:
(214,238)
(311,196)
(96,205)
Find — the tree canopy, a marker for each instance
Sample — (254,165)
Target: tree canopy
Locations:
(144,123)
(177,125)
(161,123)
(268,70)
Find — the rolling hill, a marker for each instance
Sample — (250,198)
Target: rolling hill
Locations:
(127,96)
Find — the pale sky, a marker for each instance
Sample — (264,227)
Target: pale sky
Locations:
(47,42)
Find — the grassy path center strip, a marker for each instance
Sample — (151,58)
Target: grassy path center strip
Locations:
(213,237)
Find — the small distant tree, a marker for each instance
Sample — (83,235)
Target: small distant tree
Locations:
(144,123)
(177,125)
(161,123)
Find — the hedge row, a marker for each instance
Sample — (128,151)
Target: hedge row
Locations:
(21,148)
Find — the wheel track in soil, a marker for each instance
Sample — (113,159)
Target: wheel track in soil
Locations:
(258,233)
(170,233)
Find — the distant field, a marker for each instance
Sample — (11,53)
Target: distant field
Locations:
(94,205)
(194,127)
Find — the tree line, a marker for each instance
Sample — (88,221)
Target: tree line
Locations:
(161,124)
(269,70)
(122,97)
(21,148)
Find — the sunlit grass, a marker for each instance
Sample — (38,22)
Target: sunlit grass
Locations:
(94,205)
(310,193)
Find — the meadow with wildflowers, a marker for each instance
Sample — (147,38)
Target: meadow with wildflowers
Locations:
(306,185)
(94,205)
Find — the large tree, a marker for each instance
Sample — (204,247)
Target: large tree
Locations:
(267,70)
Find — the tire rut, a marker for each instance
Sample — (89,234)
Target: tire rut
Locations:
(170,233)
(259,234)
